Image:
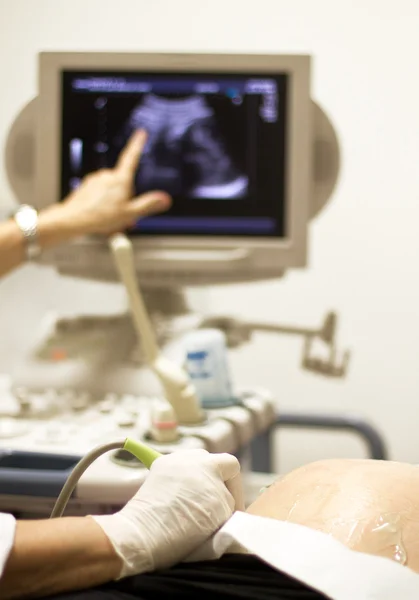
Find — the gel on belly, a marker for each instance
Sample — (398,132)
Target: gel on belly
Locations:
(207,366)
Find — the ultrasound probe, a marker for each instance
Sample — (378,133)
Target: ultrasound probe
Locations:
(146,455)
(179,391)
(142,452)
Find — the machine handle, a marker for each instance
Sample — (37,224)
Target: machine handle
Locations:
(34,473)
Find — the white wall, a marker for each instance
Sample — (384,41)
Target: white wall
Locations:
(364,247)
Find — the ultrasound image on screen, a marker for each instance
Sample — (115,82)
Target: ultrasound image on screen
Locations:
(216,144)
(186,153)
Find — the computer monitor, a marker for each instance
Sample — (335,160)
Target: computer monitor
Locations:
(229,137)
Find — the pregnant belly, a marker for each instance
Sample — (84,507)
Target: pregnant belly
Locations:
(370,506)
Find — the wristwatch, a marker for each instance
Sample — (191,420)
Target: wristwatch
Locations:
(26,218)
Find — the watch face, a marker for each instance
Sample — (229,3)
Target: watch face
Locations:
(26,219)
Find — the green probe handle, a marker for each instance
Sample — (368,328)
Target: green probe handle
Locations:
(144,453)
(148,455)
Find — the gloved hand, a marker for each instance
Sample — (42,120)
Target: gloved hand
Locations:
(183,501)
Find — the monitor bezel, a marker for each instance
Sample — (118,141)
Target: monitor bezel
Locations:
(292,248)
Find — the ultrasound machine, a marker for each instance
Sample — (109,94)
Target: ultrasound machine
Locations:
(249,160)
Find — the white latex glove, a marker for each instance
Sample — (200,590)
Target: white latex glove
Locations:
(183,501)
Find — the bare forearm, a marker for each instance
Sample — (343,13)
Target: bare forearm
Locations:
(54,228)
(58,555)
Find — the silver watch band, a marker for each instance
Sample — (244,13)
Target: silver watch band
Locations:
(26,218)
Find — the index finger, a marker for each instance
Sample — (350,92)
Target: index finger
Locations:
(228,465)
(130,156)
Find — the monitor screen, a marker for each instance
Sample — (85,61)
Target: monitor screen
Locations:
(216,143)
